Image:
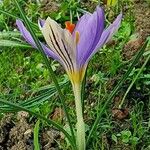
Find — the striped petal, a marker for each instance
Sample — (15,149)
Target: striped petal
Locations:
(61,43)
(26,34)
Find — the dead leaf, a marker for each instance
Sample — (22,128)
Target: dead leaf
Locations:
(120,113)
(58,114)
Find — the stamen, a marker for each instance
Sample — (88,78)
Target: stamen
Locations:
(77,37)
(69,26)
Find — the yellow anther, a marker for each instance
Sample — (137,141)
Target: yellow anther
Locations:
(77,37)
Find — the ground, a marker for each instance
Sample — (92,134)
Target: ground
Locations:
(124,128)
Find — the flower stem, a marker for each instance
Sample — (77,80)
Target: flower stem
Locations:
(80,122)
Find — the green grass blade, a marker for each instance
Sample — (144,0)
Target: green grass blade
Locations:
(29,103)
(61,96)
(46,93)
(15,17)
(10,43)
(14,34)
(36,136)
(9,34)
(51,87)
(115,90)
(48,121)
(133,81)
(38,100)
(8,14)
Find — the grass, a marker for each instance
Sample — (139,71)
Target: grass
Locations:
(23,71)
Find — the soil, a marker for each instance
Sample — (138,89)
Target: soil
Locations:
(50,6)
(89,5)
(142,31)
(142,24)
(17,134)
(142,17)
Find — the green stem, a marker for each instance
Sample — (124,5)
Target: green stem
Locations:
(80,121)
(36,135)
(132,83)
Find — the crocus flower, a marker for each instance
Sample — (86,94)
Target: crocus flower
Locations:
(73,47)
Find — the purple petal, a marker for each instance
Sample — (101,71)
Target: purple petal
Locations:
(82,22)
(100,25)
(90,28)
(26,34)
(114,27)
(105,37)
(41,23)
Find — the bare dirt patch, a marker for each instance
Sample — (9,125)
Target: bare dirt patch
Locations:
(142,25)
(16,133)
